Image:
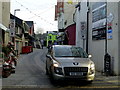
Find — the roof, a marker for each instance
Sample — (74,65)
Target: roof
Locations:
(30,23)
(18,20)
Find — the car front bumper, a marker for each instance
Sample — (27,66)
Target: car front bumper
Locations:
(63,77)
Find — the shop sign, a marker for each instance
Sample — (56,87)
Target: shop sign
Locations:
(12,29)
(99,34)
(109,34)
(109,31)
(99,30)
(99,24)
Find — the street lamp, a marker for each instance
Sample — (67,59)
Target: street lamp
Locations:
(14,16)
(14,19)
(13,38)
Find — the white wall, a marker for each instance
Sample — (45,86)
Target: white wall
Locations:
(78,33)
(97,47)
(5,18)
(60,21)
(119,37)
(67,15)
(69,10)
(0,11)
(81,16)
(113,44)
(6,13)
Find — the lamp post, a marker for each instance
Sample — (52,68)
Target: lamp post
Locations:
(14,16)
(13,40)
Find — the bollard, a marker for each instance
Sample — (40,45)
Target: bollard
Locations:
(107,64)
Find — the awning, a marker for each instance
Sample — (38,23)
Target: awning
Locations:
(4,28)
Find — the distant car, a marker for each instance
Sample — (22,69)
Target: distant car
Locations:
(69,62)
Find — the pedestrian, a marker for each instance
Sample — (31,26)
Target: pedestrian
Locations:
(55,43)
(42,43)
(49,46)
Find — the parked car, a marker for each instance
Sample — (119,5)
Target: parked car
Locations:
(69,62)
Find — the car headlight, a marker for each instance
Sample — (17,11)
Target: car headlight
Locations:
(57,68)
(92,68)
(55,63)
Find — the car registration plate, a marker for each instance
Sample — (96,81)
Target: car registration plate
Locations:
(76,73)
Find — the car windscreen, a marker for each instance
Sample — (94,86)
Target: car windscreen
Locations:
(70,52)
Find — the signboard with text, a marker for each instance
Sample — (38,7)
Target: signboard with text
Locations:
(99,21)
(12,30)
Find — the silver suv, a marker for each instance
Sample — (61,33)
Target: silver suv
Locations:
(66,62)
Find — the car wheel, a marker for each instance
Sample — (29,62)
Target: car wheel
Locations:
(53,80)
(89,82)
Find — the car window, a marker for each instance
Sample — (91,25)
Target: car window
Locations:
(62,51)
(70,52)
(77,51)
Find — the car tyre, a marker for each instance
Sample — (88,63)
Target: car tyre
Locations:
(89,82)
(53,80)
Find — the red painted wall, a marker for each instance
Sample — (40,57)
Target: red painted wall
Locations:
(71,34)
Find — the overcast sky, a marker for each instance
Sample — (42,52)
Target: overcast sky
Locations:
(42,12)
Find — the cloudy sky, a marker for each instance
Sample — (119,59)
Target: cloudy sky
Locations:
(40,11)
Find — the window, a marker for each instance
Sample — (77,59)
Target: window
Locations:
(70,52)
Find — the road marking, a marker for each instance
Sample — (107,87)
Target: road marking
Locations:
(27,86)
(94,87)
(48,86)
(114,81)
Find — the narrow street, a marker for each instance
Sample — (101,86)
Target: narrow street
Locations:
(30,73)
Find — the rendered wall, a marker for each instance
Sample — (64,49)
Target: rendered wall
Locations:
(97,47)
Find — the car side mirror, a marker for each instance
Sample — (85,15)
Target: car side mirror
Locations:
(48,56)
(89,56)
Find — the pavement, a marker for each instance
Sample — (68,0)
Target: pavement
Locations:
(110,79)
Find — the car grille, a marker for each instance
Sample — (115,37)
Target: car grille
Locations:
(83,70)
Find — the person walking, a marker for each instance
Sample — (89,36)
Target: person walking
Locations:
(42,43)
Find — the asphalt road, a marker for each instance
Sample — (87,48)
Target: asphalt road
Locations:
(30,73)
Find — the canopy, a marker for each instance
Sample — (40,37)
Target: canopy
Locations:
(4,28)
